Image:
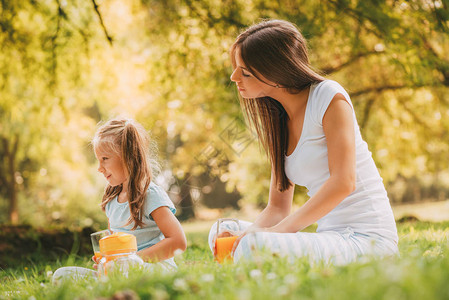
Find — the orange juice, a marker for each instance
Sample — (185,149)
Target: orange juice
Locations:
(97,256)
(223,247)
(95,238)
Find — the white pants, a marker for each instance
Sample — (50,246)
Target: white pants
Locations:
(333,247)
(77,273)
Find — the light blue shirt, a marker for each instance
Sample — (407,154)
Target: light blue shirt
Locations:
(148,235)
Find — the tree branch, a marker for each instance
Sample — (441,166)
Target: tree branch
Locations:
(379,89)
(210,19)
(366,112)
(108,37)
(383,88)
(330,70)
(54,39)
(443,65)
(416,118)
(358,15)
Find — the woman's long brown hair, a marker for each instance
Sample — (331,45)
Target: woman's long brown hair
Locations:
(131,142)
(276,50)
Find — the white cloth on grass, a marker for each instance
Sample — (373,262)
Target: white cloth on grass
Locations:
(333,247)
(77,273)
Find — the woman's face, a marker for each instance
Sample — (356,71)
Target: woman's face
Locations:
(248,85)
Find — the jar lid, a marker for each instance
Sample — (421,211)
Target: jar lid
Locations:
(118,242)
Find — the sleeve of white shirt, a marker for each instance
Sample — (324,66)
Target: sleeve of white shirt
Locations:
(325,92)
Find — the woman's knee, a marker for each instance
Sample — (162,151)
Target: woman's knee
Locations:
(212,233)
(247,246)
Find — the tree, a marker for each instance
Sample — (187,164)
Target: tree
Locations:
(383,52)
(42,53)
(66,65)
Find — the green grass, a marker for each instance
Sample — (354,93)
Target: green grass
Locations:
(421,272)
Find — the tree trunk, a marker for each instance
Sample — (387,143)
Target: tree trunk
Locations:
(13,211)
(9,178)
(186,203)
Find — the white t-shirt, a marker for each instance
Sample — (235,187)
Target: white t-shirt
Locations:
(367,209)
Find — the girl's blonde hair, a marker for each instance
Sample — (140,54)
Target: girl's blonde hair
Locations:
(131,142)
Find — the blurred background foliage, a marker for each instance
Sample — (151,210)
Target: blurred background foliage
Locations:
(67,65)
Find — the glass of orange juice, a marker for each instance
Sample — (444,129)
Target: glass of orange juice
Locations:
(95,238)
(227,233)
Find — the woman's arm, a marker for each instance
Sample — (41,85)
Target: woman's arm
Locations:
(339,131)
(174,237)
(279,205)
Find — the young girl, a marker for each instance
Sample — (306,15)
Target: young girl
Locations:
(308,127)
(132,202)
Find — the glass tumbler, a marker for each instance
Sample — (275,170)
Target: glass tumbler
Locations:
(95,238)
(224,244)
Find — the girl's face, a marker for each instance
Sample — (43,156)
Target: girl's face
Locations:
(248,85)
(111,166)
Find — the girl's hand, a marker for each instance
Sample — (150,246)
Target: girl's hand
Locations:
(96,262)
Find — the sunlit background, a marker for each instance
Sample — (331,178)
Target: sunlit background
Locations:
(67,65)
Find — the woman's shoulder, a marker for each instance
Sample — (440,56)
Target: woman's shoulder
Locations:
(321,96)
(328,85)
(325,91)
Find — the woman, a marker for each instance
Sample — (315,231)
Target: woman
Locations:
(308,127)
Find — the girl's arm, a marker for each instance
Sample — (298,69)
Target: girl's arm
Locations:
(339,130)
(174,237)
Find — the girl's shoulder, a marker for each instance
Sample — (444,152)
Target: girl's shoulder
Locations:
(156,191)
(157,197)
(111,203)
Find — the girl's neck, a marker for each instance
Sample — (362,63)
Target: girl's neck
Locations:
(123,196)
(125,186)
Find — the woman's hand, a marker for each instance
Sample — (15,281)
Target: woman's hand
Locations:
(222,234)
(247,231)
